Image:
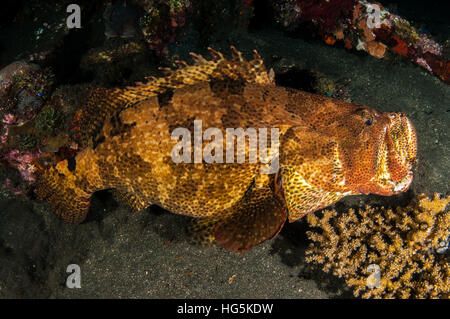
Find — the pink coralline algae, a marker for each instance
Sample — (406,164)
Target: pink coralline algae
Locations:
(8,119)
(23,90)
(365,26)
(423,63)
(8,185)
(425,44)
(23,161)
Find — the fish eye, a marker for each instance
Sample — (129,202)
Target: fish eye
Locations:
(368,122)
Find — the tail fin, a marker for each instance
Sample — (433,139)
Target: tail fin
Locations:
(70,202)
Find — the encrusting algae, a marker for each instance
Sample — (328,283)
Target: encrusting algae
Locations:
(404,245)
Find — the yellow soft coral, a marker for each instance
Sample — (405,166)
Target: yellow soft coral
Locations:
(402,245)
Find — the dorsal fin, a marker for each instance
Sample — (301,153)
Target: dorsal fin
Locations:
(203,70)
(103,103)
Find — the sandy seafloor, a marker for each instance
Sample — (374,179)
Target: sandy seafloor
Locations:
(148,255)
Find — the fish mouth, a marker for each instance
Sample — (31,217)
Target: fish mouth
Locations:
(396,155)
(404,184)
(395,187)
(386,184)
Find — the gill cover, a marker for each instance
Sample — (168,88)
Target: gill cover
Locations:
(311,172)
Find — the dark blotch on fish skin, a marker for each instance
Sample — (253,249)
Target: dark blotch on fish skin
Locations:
(165,97)
(118,127)
(71,164)
(222,88)
(98,141)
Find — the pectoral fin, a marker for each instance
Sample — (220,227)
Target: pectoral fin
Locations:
(303,198)
(259,216)
(311,171)
(133,201)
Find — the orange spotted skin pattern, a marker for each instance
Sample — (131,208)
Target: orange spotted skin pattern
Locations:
(328,149)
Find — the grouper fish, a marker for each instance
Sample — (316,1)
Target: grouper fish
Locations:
(327,149)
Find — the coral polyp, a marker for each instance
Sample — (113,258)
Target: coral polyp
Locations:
(406,245)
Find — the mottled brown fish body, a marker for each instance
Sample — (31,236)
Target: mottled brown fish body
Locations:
(328,149)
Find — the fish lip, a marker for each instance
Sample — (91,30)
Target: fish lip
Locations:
(404,184)
(385,182)
(388,187)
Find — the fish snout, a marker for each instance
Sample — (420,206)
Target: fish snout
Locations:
(402,138)
(399,153)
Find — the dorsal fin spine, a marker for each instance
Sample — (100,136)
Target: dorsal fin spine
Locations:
(105,102)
